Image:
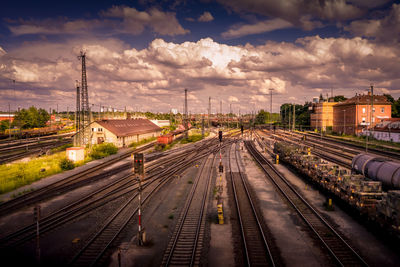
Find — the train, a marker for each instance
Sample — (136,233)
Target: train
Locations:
(362,192)
(32,132)
(378,169)
(166,139)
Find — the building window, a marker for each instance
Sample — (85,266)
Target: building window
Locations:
(363,119)
(363,110)
(383,110)
(92,129)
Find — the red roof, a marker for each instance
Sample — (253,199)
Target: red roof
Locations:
(129,127)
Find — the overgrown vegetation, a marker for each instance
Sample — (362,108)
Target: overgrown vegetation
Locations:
(141,142)
(103,150)
(15,175)
(66,164)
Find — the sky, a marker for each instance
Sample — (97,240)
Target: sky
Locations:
(143,54)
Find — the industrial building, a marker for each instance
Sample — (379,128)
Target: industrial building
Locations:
(123,132)
(355,115)
(322,117)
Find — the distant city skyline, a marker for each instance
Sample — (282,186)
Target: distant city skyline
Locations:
(143,54)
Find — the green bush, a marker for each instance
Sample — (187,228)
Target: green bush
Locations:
(66,164)
(103,150)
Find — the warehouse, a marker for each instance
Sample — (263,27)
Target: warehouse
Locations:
(123,132)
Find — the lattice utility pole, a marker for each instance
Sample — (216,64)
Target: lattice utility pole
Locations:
(85,110)
(186,116)
(78,115)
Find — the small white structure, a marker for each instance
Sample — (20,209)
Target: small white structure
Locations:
(76,153)
(161,123)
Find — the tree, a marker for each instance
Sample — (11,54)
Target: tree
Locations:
(261,117)
(339,98)
(396,109)
(4,125)
(389,98)
(31,118)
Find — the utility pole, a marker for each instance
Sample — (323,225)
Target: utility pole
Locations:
(78,115)
(209,111)
(9,121)
(230,114)
(270,108)
(186,116)
(220,111)
(294,117)
(371,118)
(290,116)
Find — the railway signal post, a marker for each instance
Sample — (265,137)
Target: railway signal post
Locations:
(139,171)
(36,213)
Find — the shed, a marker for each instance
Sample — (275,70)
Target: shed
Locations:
(123,132)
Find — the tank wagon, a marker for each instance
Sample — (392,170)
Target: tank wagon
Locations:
(360,192)
(378,169)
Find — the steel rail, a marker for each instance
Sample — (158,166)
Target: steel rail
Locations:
(331,239)
(248,242)
(99,252)
(67,183)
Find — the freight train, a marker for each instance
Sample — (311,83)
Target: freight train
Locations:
(166,139)
(32,132)
(363,193)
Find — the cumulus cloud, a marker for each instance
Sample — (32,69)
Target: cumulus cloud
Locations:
(386,29)
(124,76)
(297,11)
(205,17)
(119,19)
(259,27)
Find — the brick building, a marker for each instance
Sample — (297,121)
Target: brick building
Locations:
(322,116)
(123,132)
(354,115)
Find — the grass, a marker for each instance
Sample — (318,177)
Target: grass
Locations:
(171,216)
(15,175)
(371,141)
(142,142)
(193,138)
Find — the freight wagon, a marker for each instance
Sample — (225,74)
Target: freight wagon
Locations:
(360,192)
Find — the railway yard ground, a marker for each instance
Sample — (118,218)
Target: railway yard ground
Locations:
(272,215)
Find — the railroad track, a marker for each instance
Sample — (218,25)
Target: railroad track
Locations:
(118,188)
(12,154)
(359,148)
(185,245)
(339,249)
(94,249)
(254,240)
(335,156)
(67,184)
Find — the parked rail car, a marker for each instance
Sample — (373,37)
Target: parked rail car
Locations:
(378,169)
(359,191)
(170,137)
